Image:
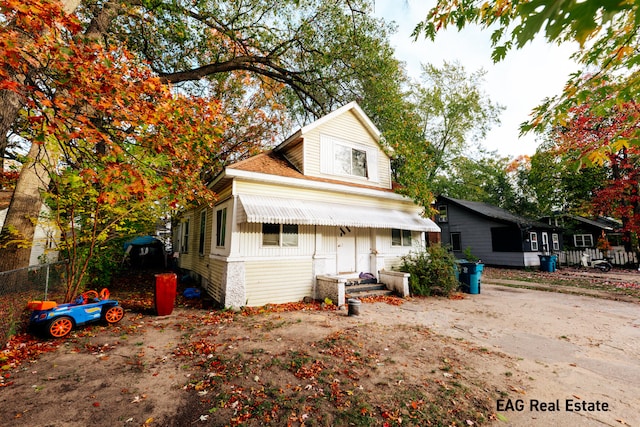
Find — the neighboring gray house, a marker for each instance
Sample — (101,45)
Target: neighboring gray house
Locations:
(493,234)
(583,233)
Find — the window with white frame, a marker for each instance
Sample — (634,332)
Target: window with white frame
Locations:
(443,213)
(350,161)
(400,237)
(347,158)
(185,237)
(221,227)
(583,240)
(203,226)
(533,238)
(285,235)
(555,241)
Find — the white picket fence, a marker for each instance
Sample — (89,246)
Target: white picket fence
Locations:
(620,258)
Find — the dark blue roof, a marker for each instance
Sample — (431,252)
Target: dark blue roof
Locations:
(496,213)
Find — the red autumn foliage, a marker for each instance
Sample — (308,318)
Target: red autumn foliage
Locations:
(609,141)
(8,179)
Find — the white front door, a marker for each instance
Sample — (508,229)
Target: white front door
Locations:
(545,243)
(346,253)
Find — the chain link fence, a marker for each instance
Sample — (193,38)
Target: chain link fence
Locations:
(17,287)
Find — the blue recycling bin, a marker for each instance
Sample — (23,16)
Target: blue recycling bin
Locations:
(548,263)
(457,268)
(471,276)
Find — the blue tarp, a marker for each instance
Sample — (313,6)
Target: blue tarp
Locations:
(142,241)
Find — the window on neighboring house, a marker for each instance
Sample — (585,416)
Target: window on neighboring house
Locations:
(615,239)
(583,240)
(456,241)
(533,238)
(285,235)
(400,237)
(350,161)
(185,237)
(203,226)
(555,241)
(443,213)
(221,227)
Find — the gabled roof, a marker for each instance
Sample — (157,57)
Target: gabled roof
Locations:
(352,106)
(594,223)
(601,222)
(273,163)
(493,212)
(268,162)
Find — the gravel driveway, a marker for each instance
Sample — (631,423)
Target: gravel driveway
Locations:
(579,357)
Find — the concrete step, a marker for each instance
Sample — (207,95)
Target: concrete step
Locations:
(366,290)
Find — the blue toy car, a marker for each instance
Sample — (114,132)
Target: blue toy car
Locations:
(57,320)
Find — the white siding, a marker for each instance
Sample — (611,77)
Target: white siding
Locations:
(329,239)
(278,281)
(363,250)
(213,278)
(295,154)
(345,128)
(251,243)
(392,263)
(192,259)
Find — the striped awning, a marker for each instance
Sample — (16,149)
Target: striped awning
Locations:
(275,210)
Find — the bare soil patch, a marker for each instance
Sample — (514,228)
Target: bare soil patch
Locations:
(401,362)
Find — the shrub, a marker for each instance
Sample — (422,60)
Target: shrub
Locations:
(432,271)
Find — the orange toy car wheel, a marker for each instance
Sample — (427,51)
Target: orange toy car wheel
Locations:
(113,314)
(60,327)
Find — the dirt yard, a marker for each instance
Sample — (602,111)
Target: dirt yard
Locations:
(508,356)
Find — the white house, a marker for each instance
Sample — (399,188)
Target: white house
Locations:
(43,249)
(299,220)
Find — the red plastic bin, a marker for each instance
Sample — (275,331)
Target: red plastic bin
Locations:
(165,295)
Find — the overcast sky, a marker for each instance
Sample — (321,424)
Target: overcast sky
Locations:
(519,82)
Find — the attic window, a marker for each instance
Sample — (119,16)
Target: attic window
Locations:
(354,159)
(442,213)
(350,161)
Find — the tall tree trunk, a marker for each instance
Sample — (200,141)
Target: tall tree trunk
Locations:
(17,234)
(16,238)
(9,107)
